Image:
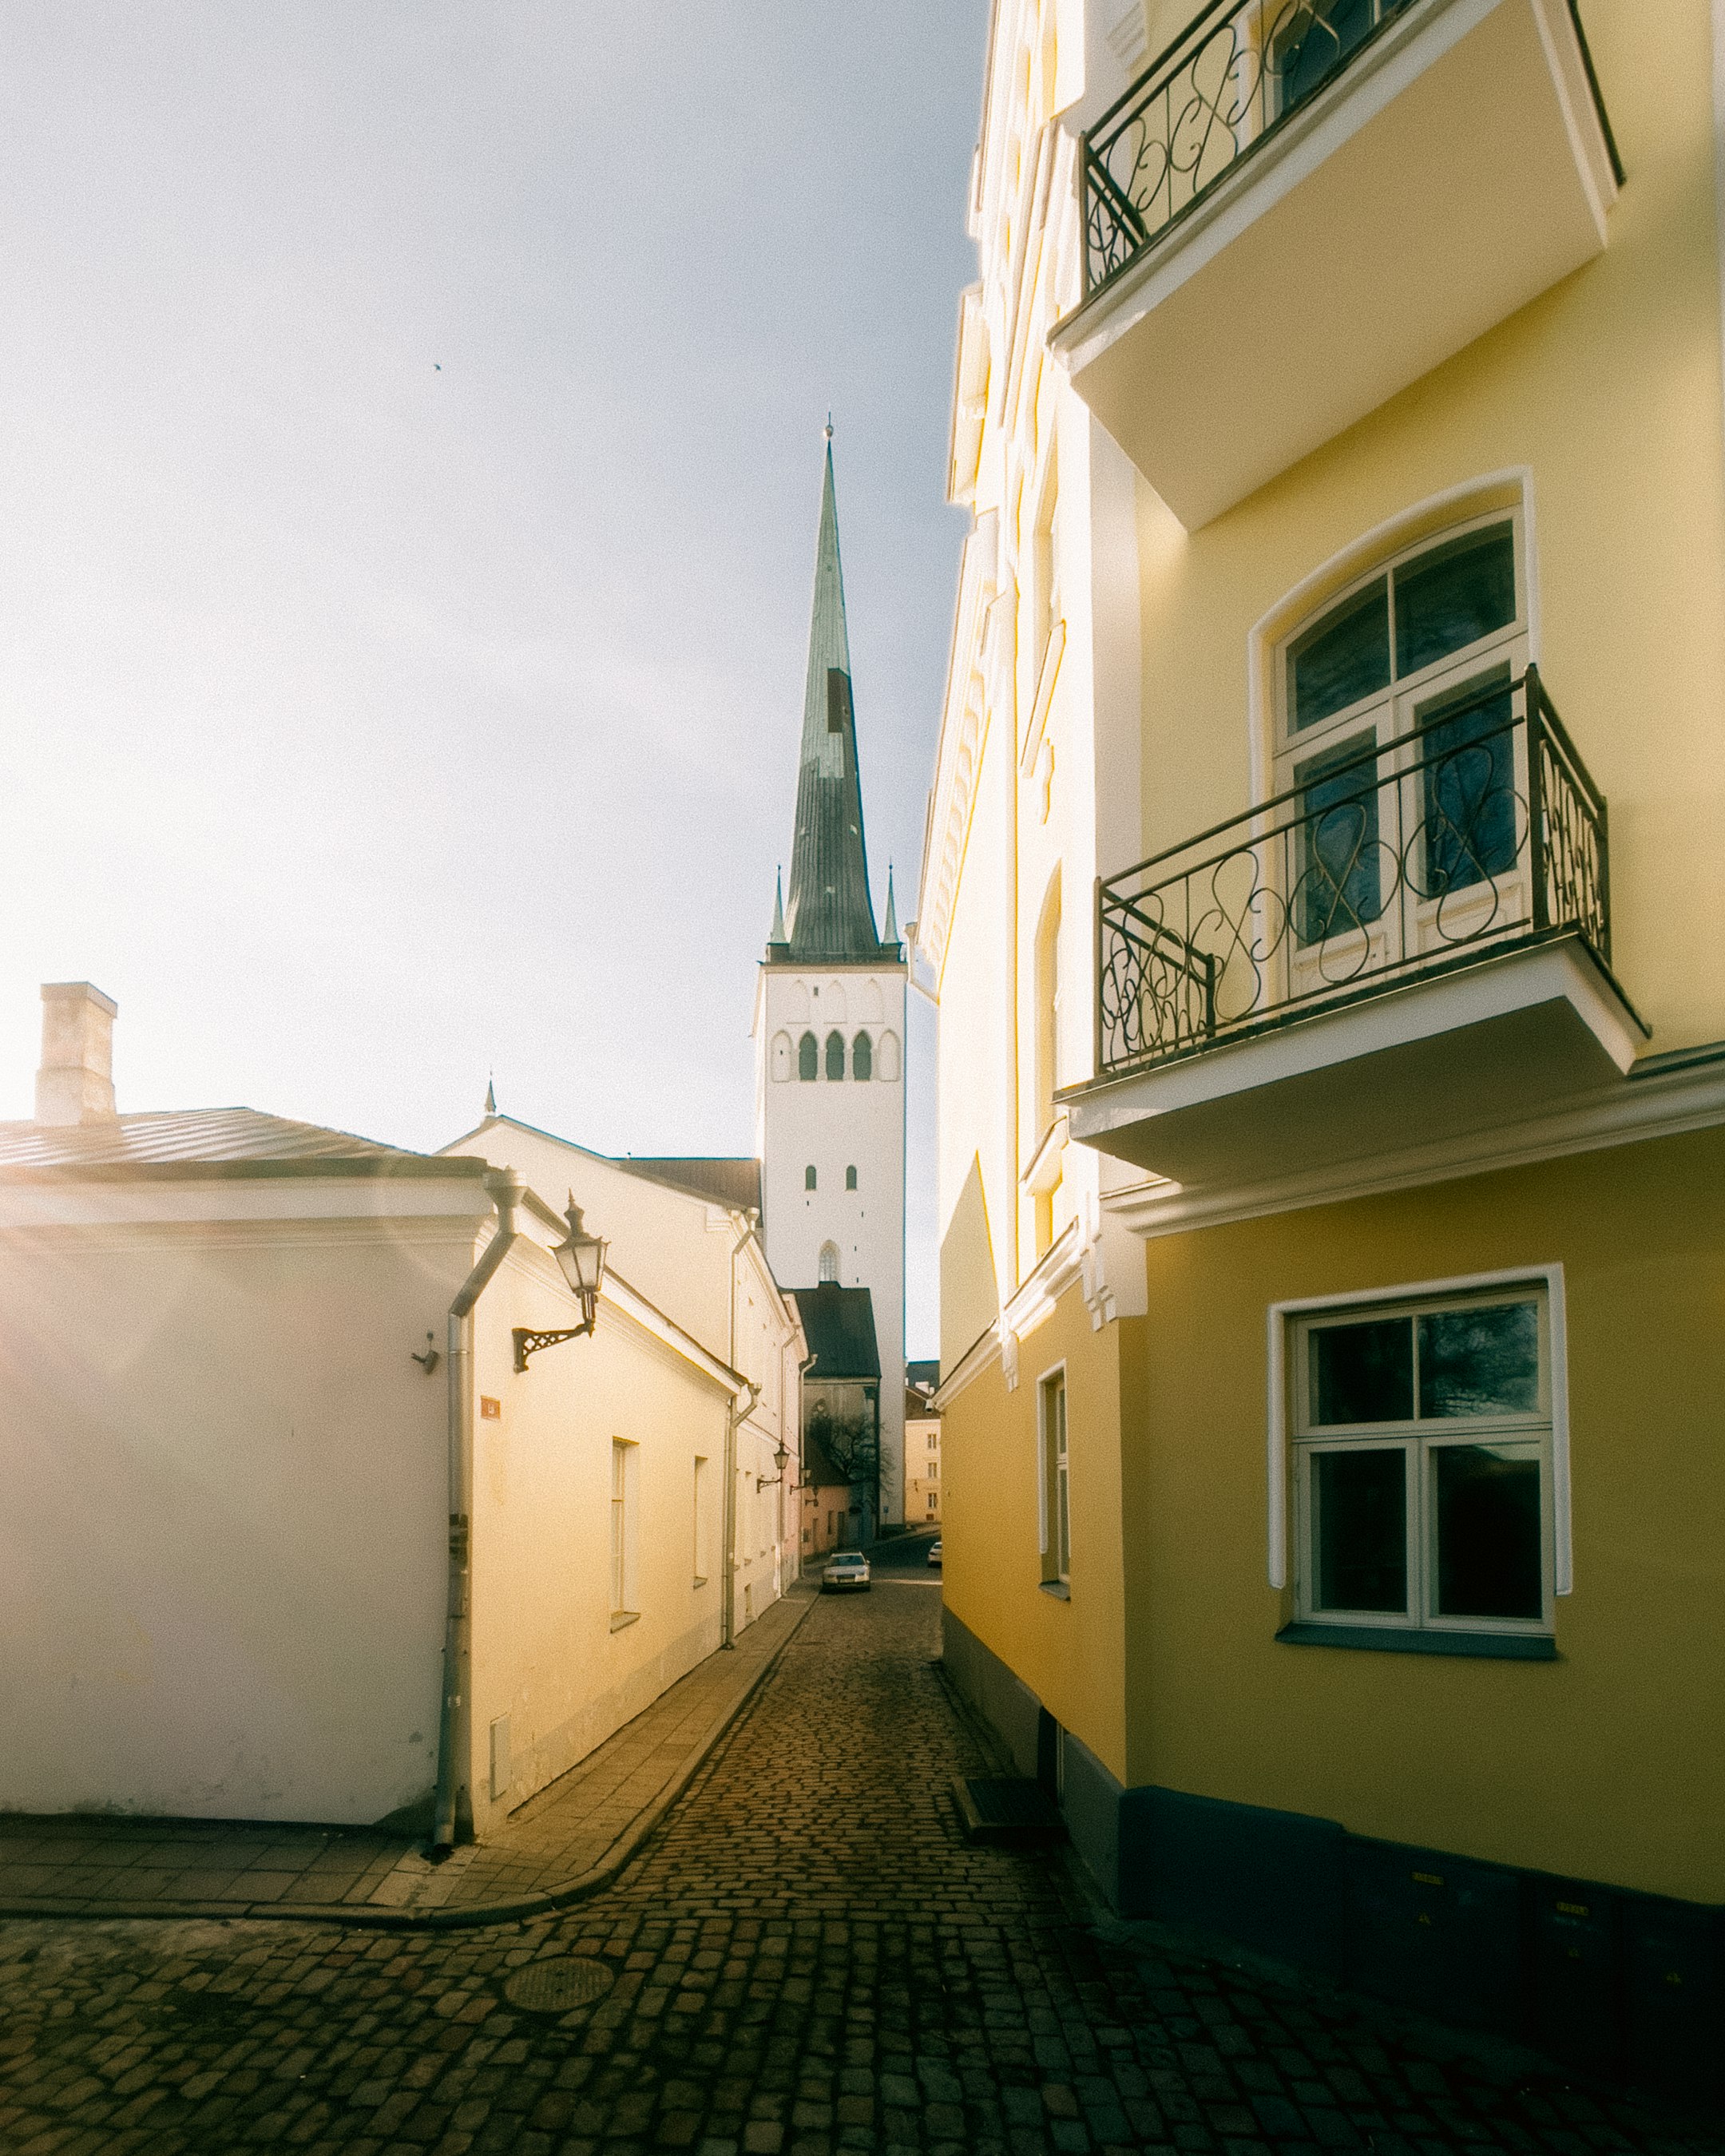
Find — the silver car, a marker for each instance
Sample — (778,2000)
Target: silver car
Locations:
(845,1568)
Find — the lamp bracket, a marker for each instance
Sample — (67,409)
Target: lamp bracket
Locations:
(528,1343)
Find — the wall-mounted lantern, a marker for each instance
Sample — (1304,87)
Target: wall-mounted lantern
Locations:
(581,1258)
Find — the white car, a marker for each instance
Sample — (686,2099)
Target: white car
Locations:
(845,1568)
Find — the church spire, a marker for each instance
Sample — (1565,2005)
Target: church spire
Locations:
(889,934)
(777,935)
(829,914)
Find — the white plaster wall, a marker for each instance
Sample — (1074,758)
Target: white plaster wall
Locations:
(545,1652)
(222,1542)
(683,1253)
(832,1125)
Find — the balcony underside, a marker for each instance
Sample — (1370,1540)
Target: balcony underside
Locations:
(1450,173)
(1515,1034)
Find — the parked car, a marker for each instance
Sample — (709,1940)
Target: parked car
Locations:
(845,1568)
(934,1553)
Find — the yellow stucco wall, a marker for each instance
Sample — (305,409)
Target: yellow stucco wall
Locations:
(1068,1652)
(1604,1764)
(1607,390)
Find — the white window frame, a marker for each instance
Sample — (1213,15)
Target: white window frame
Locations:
(1283,1318)
(1053,1468)
(626,1519)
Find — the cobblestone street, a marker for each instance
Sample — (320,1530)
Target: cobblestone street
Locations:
(808,1957)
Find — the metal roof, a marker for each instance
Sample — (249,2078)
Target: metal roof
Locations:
(838,1325)
(829,913)
(205,1141)
(730,1181)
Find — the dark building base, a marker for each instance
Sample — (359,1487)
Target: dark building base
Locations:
(1626,1986)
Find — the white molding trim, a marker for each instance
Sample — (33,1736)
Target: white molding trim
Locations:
(1276,1461)
(1666,1106)
(1033,1303)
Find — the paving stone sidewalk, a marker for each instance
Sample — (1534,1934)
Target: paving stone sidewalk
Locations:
(561,1844)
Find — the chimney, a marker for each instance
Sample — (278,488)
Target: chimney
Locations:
(75,1084)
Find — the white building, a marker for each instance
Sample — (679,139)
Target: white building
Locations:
(290,1533)
(687,1233)
(830,1029)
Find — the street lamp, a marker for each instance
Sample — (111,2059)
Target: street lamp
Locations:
(781,1460)
(581,1258)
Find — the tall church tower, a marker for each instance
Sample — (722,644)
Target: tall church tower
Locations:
(830,1029)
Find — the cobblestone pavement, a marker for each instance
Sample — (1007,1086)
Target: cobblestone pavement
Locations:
(807,1958)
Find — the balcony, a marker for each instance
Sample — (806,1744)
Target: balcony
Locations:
(1414,944)
(1416,170)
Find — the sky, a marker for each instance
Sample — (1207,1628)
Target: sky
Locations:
(410,440)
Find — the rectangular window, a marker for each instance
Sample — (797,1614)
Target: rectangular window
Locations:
(1056,1508)
(1422,1462)
(624,1505)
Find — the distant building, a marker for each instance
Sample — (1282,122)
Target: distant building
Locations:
(830,1029)
(842,1393)
(923,1445)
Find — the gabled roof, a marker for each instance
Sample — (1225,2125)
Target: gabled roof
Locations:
(829,913)
(204,1141)
(721,1179)
(927,1375)
(838,1324)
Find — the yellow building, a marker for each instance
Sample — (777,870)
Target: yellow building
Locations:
(1332,1066)
(923,1445)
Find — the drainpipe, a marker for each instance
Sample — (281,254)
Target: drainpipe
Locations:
(749,1222)
(505,1189)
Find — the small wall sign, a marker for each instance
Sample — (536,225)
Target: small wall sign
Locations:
(490,1410)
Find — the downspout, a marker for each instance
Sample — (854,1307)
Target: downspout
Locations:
(733,1419)
(506,1189)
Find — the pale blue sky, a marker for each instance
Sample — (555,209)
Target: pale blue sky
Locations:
(411,419)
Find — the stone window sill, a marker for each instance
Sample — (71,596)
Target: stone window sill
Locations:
(619,1618)
(1057,1588)
(1382,1639)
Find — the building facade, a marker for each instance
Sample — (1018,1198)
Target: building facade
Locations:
(687,1233)
(1332,1110)
(291,1533)
(829,1028)
(923,1445)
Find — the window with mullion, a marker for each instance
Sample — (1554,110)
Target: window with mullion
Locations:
(1422,1463)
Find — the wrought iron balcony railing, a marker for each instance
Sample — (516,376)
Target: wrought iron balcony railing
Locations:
(1227,82)
(1478,831)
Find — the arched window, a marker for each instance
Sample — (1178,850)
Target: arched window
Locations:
(809,1178)
(780,1057)
(808,1057)
(850,1178)
(886,1062)
(829,1262)
(862,1057)
(835,1055)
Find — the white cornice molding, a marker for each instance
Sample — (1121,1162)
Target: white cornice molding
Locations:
(963,739)
(1664,1104)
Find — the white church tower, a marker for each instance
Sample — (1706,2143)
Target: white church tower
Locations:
(830,1029)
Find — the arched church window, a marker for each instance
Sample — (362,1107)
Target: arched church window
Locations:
(886,1062)
(835,1055)
(850,1178)
(780,1057)
(809,1178)
(862,1057)
(829,1262)
(808,1057)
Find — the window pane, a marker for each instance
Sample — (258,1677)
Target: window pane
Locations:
(1488,1532)
(1480,1362)
(1362,1372)
(1321,34)
(1342,658)
(1338,889)
(835,1055)
(1453,596)
(1470,786)
(1360,1504)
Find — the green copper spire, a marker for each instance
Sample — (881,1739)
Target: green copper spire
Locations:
(777,935)
(829,914)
